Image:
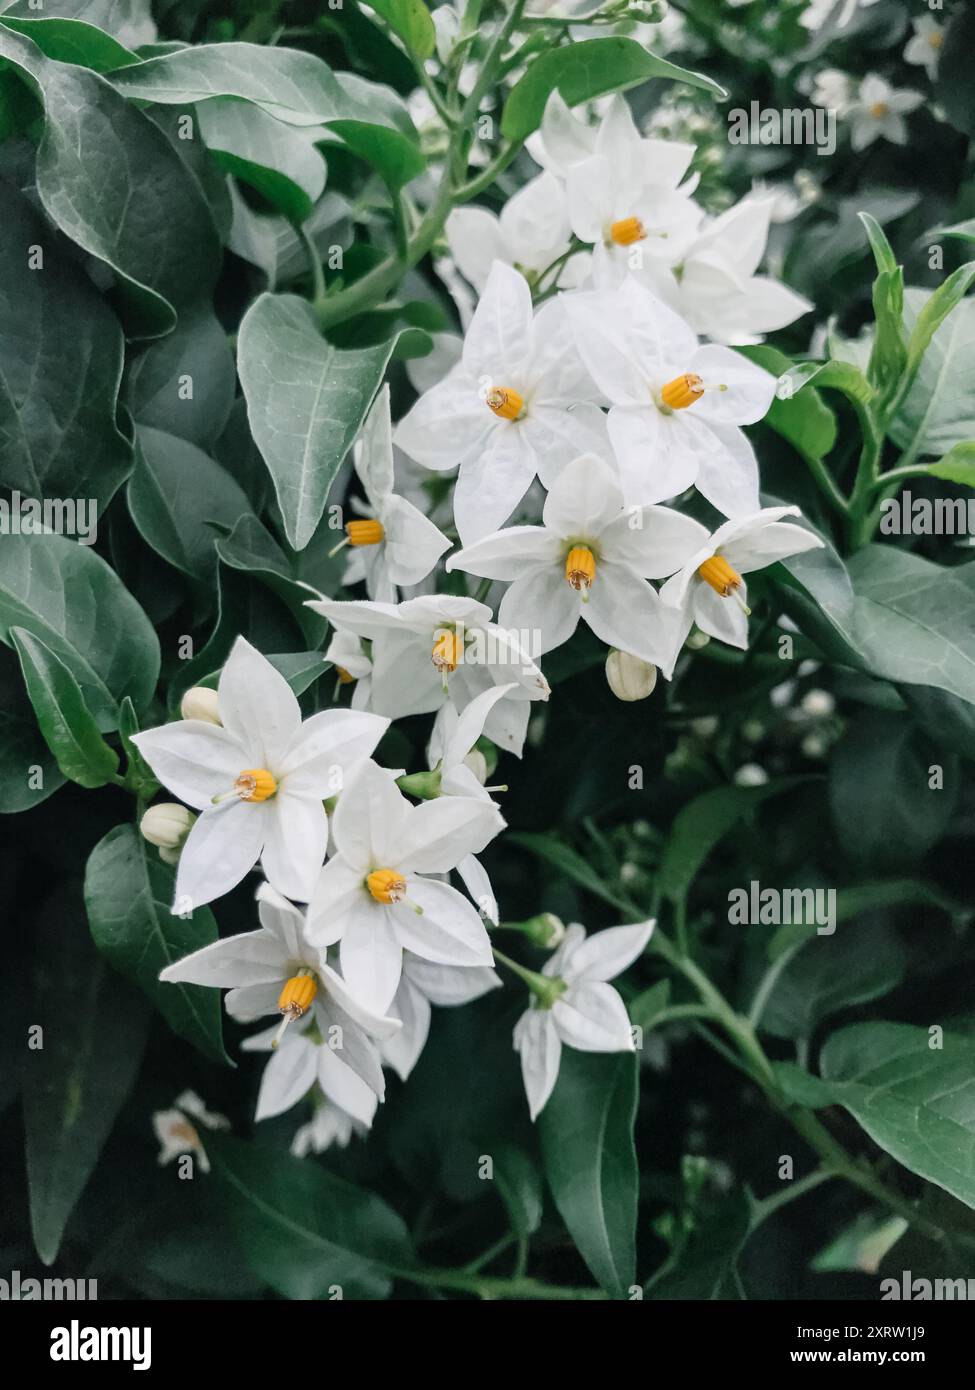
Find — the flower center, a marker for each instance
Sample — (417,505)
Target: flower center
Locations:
(295,1000)
(504,402)
(718,573)
(386,886)
(879,110)
(936,39)
(364,532)
(682,391)
(255,784)
(447,651)
(580,569)
(627,231)
(343,675)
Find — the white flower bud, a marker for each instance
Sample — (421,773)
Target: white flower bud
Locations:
(817,703)
(477,763)
(200,703)
(751,775)
(628,677)
(167,825)
(697,639)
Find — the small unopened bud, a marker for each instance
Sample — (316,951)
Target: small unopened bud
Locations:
(425,786)
(751,775)
(166,826)
(477,763)
(200,703)
(546,930)
(697,640)
(818,704)
(629,677)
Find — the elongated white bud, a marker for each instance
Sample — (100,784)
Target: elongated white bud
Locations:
(200,703)
(167,826)
(629,677)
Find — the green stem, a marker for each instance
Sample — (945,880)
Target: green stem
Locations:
(492,1252)
(318,293)
(764,1208)
(494,1288)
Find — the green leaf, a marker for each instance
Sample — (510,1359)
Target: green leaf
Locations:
(304,1231)
(939,409)
(138,772)
(829,973)
(280,161)
(305,401)
(882,250)
(60,365)
(701,824)
(841,376)
(586,70)
(28,772)
(252,549)
(69,598)
(72,41)
(294,87)
(801,1087)
(184,383)
(94,1031)
(568,862)
(176,495)
(410,19)
(586,1132)
(706,1268)
(128,895)
(889,353)
(128,21)
(149,222)
(932,314)
(953,85)
(885,812)
(958,464)
(64,719)
(646,1007)
(520,1185)
(914,1100)
(804,419)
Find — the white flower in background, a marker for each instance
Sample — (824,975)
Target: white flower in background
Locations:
(878,112)
(581,1010)
(590,560)
(353,665)
(710,590)
(563,140)
(924,49)
(818,11)
(676,406)
(833,89)
(519,404)
(178,1130)
(258,781)
(329,1126)
(422,984)
(462,771)
(396,545)
(715,288)
(275,971)
(531,232)
(437,649)
(373,896)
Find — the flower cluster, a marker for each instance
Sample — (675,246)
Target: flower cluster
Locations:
(597,390)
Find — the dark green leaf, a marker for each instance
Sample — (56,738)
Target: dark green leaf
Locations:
(410,19)
(64,719)
(184,383)
(280,161)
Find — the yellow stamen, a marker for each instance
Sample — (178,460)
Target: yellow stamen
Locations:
(386,886)
(723,580)
(879,110)
(364,532)
(255,784)
(447,651)
(580,569)
(343,675)
(682,391)
(936,39)
(504,402)
(627,231)
(295,1001)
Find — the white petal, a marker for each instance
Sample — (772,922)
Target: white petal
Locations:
(282,919)
(250,958)
(337,995)
(194,760)
(327,747)
(223,845)
(653,459)
(720,617)
(370,819)
(592,1017)
(583,500)
(413,544)
(475,879)
(257,705)
(652,541)
(372,957)
(764,547)
(490,486)
(345,1088)
(498,339)
(436,835)
(289,1075)
(543,603)
(295,844)
(606,954)
(374,451)
(448,985)
(402,1052)
(247,1003)
(541,1051)
(509,553)
(468,725)
(728,475)
(447,424)
(624,611)
(750,392)
(475,240)
(449,931)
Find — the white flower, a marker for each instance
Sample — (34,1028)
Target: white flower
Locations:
(833,89)
(878,112)
(176,1132)
(437,649)
(563,141)
(676,407)
(586,1013)
(716,289)
(373,896)
(330,1125)
(422,984)
(276,971)
(519,403)
(710,591)
(259,781)
(396,544)
(925,47)
(531,232)
(590,560)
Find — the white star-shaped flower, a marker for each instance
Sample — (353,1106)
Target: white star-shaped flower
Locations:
(396,545)
(440,648)
(258,780)
(518,404)
(676,406)
(563,141)
(878,112)
(924,48)
(329,1126)
(583,1010)
(374,895)
(710,590)
(530,233)
(591,560)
